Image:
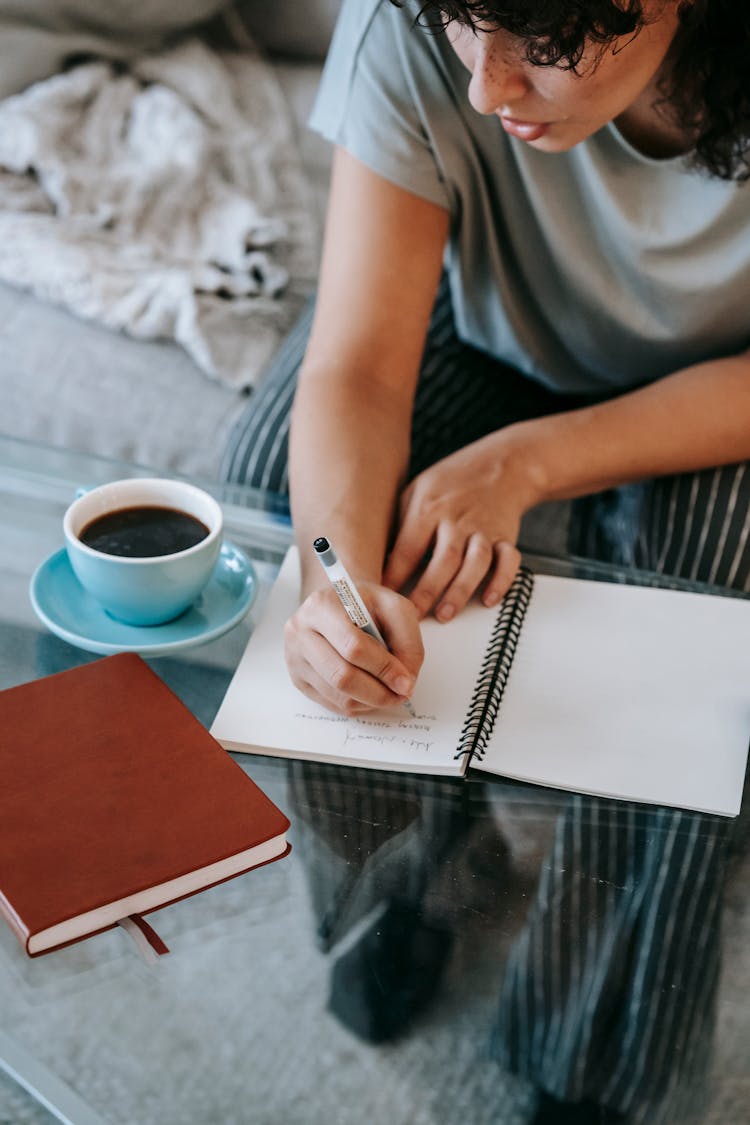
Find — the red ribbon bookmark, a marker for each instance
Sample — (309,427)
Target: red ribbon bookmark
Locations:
(147,941)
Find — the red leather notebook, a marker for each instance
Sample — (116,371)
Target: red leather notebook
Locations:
(114,801)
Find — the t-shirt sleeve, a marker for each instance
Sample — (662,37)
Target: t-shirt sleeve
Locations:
(366,101)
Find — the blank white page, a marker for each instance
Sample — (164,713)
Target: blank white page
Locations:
(631,692)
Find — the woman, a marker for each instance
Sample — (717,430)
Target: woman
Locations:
(533,288)
(580,181)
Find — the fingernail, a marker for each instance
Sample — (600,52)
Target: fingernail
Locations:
(492,598)
(445,612)
(403,685)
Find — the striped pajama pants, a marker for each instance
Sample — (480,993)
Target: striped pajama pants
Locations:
(610,986)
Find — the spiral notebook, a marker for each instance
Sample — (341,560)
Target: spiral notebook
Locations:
(631,692)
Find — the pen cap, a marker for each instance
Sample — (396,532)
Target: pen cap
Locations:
(325,551)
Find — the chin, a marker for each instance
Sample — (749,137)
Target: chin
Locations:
(551,143)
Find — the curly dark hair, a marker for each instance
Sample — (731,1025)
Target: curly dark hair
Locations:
(709,85)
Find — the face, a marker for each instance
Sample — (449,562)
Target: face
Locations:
(553,109)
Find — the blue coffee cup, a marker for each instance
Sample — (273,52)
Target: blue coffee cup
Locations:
(152,589)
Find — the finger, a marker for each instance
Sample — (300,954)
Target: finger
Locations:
(342,685)
(477,561)
(318,693)
(447,560)
(384,662)
(318,690)
(323,636)
(507,562)
(399,623)
(408,553)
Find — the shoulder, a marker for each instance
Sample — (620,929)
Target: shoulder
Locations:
(387,39)
(383,96)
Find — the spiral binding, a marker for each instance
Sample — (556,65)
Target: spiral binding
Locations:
(488,694)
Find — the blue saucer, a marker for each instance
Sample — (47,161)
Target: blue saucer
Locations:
(61,602)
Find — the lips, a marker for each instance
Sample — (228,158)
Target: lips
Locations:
(524,130)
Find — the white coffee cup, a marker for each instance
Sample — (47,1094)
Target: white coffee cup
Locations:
(150,589)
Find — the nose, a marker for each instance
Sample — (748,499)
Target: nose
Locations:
(497,80)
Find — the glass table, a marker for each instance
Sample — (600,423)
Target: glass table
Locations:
(433,951)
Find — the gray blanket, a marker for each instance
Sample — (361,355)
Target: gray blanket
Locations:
(165,200)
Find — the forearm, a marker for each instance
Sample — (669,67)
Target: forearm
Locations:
(351,421)
(694,419)
(348,456)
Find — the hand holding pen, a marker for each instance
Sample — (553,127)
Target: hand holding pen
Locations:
(349,596)
(350,670)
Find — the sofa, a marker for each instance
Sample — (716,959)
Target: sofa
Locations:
(68,381)
(71,382)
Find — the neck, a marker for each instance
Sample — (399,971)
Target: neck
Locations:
(650,125)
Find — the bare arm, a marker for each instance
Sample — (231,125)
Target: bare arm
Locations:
(351,427)
(697,418)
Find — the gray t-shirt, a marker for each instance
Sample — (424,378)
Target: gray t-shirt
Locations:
(589,270)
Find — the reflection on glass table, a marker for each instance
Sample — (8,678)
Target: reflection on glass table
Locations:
(433,951)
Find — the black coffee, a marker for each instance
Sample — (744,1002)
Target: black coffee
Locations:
(141,532)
